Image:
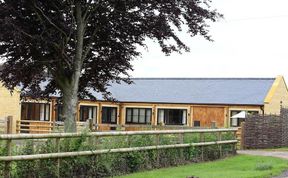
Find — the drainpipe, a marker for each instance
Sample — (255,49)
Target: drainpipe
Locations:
(262,109)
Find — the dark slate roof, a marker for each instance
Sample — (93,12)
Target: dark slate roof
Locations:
(242,91)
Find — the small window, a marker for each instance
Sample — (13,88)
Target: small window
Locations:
(138,115)
(172,116)
(109,115)
(236,121)
(196,123)
(87,112)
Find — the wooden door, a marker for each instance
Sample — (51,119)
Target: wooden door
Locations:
(208,115)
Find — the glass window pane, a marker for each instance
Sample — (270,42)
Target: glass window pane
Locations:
(135,115)
(90,110)
(148,115)
(47,114)
(129,115)
(104,115)
(59,112)
(160,115)
(249,113)
(36,112)
(87,112)
(141,115)
(142,112)
(42,112)
(94,119)
(184,115)
(113,115)
(234,122)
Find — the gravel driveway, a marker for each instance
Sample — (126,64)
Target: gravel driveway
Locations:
(278,154)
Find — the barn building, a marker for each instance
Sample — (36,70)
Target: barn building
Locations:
(162,102)
(183,102)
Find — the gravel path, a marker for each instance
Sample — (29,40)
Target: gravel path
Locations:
(278,154)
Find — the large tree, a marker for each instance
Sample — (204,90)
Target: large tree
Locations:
(74,46)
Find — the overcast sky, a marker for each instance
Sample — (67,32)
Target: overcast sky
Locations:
(251,41)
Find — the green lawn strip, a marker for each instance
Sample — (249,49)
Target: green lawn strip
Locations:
(240,166)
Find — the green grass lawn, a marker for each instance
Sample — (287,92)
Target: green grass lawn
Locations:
(240,166)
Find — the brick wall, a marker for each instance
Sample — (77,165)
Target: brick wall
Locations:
(266,131)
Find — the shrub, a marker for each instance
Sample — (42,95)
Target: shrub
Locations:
(263,166)
(108,165)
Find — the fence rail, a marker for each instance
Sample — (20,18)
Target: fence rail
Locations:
(58,154)
(42,127)
(33,127)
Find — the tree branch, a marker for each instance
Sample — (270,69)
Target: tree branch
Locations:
(49,20)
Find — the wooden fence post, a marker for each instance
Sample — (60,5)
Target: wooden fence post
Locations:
(9,126)
(181,141)
(242,136)
(219,138)
(202,139)
(157,143)
(7,163)
(90,125)
(54,126)
(58,159)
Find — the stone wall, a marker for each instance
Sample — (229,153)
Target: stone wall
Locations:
(266,131)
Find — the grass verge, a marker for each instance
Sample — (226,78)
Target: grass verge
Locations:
(240,166)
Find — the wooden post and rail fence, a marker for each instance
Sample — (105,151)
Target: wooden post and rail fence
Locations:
(40,127)
(58,155)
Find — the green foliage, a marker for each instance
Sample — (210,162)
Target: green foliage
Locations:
(2,152)
(107,165)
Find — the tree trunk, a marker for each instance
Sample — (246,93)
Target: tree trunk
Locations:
(71,86)
(70,105)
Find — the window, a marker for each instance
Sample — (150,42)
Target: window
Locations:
(138,115)
(109,115)
(249,113)
(236,122)
(87,112)
(172,116)
(35,111)
(58,112)
(196,124)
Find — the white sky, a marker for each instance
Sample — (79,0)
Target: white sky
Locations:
(251,41)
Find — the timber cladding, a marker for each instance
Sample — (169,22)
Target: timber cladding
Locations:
(208,115)
(267,131)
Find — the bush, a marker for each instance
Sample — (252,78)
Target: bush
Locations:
(263,166)
(107,165)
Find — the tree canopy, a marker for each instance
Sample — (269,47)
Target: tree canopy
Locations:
(78,45)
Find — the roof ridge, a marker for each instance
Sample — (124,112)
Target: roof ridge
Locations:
(196,78)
